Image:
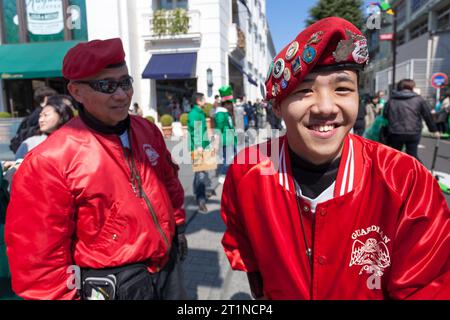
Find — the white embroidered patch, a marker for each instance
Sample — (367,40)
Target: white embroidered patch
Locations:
(151,153)
(372,255)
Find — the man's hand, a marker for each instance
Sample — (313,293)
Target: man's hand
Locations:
(10,164)
(436,134)
(182,246)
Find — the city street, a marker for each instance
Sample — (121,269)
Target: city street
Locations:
(206,270)
(87,86)
(426,150)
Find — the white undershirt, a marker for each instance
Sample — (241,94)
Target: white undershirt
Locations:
(326,195)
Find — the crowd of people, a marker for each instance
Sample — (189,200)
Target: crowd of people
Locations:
(317,213)
(398,121)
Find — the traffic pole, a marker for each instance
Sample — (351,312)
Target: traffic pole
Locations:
(438,95)
(394,50)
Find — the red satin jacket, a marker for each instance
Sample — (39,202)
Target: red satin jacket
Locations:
(73,203)
(384,235)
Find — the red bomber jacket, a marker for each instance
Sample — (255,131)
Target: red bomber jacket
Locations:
(384,235)
(73,202)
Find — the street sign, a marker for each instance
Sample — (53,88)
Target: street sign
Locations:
(387,36)
(439,80)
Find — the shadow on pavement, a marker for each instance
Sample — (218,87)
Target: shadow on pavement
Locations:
(211,221)
(201,269)
(241,296)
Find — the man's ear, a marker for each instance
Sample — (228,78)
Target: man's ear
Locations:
(75,92)
(276,107)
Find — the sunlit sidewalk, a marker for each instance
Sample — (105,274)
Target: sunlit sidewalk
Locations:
(207,272)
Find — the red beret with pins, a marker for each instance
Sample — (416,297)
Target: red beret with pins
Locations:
(329,44)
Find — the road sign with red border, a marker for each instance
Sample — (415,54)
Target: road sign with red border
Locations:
(387,36)
(439,80)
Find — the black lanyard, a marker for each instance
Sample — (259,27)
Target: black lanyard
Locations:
(308,248)
(135,178)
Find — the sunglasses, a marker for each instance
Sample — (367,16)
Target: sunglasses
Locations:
(109,86)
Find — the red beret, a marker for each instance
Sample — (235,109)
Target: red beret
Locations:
(330,43)
(89,58)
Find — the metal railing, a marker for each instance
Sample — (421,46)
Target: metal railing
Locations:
(420,70)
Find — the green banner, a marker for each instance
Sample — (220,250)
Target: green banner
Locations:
(10,29)
(385,5)
(45,20)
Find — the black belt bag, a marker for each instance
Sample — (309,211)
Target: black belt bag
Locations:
(132,282)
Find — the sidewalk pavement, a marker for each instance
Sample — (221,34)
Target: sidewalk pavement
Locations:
(207,273)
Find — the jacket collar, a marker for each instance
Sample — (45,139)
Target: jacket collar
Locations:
(99,126)
(197,108)
(221,109)
(349,172)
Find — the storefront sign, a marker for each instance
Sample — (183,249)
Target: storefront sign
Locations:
(45,17)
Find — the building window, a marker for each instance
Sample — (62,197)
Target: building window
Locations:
(401,39)
(443,20)
(419,29)
(374,40)
(172,4)
(401,12)
(417,4)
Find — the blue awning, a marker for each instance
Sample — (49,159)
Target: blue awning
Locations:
(237,65)
(252,81)
(239,68)
(171,66)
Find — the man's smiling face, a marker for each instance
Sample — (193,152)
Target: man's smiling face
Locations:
(319,113)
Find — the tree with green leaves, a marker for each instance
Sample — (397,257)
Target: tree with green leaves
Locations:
(351,10)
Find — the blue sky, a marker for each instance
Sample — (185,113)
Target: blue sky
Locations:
(287,18)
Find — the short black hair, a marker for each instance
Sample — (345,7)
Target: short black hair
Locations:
(196,97)
(406,84)
(43,92)
(216,96)
(68,101)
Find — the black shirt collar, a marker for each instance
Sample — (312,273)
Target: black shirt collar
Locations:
(99,126)
(313,179)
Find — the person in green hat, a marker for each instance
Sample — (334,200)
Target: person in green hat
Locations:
(198,139)
(225,126)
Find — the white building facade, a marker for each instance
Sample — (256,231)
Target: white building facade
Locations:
(209,44)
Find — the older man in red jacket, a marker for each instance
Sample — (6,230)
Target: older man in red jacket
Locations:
(323,214)
(101,195)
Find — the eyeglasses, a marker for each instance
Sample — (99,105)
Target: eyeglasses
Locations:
(109,86)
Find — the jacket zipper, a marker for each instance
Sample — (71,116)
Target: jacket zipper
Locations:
(147,201)
(135,176)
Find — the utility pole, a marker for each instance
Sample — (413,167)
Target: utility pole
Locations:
(2,24)
(394,49)
(67,31)
(23,24)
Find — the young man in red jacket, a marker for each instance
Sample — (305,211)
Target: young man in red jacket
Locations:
(100,196)
(341,217)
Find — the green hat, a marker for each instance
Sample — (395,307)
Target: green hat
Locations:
(226,94)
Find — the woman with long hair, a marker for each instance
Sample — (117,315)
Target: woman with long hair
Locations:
(57,112)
